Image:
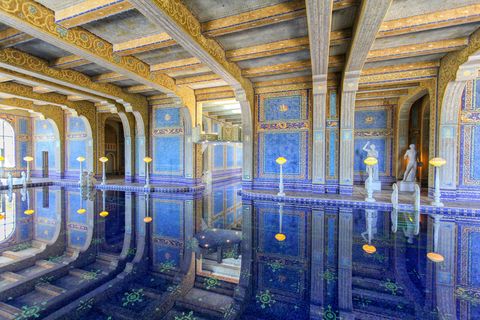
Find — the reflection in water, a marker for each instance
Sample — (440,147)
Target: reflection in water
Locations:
(216,256)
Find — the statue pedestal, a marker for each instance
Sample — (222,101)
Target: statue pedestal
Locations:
(376,185)
(406,186)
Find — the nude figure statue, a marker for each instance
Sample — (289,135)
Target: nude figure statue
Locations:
(411,170)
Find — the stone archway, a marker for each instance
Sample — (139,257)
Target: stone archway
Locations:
(449,123)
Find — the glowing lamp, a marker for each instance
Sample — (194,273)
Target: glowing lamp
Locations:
(81,211)
(435,257)
(80,159)
(29,212)
(280,237)
(147,219)
(2,216)
(28,158)
(368,248)
(103,159)
(437,162)
(103,214)
(147,159)
(281,160)
(370,161)
(2,158)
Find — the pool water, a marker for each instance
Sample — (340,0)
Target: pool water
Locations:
(91,254)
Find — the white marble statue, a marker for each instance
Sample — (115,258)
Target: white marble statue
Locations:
(84,180)
(411,170)
(372,152)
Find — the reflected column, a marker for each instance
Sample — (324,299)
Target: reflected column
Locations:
(345,232)
(317,264)
(445,271)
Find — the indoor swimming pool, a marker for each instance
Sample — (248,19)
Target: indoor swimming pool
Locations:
(67,253)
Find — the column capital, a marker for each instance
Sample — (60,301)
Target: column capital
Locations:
(350,81)
(319,84)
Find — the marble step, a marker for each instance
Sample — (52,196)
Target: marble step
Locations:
(49,289)
(117,312)
(5,260)
(8,312)
(12,276)
(374,285)
(46,264)
(205,302)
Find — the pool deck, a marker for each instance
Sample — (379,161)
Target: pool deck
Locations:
(357,199)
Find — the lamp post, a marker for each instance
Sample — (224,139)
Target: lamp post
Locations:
(103,160)
(2,163)
(104,213)
(280,236)
(81,159)
(147,161)
(281,161)
(434,255)
(28,159)
(437,163)
(369,247)
(370,162)
(147,218)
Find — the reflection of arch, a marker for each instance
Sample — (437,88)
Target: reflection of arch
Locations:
(403,125)
(89,140)
(8,221)
(449,120)
(7,143)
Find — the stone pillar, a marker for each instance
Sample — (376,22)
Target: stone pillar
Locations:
(317,264)
(319,120)
(247,137)
(347,125)
(448,138)
(345,232)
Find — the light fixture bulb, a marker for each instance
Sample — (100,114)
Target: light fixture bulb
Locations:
(147,219)
(29,212)
(103,214)
(435,257)
(103,159)
(368,248)
(370,161)
(147,159)
(437,162)
(280,237)
(81,211)
(281,160)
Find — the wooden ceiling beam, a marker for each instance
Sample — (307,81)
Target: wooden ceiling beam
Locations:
(69,62)
(140,89)
(11,37)
(176,65)
(430,21)
(109,77)
(90,10)
(262,17)
(414,50)
(144,44)
(207,78)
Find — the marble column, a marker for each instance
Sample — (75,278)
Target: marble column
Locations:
(319,121)
(347,126)
(247,137)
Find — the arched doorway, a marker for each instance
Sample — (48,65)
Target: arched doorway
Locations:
(418,134)
(114,148)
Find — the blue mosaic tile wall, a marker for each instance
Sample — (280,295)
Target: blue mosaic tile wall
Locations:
(44,140)
(374,124)
(76,142)
(469,144)
(332,140)
(167,233)
(282,123)
(167,143)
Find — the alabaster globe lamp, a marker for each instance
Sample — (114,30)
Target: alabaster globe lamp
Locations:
(147,161)
(103,160)
(2,164)
(281,161)
(28,159)
(370,162)
(280,236)
(434,255)
(437,163)
(81,160)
